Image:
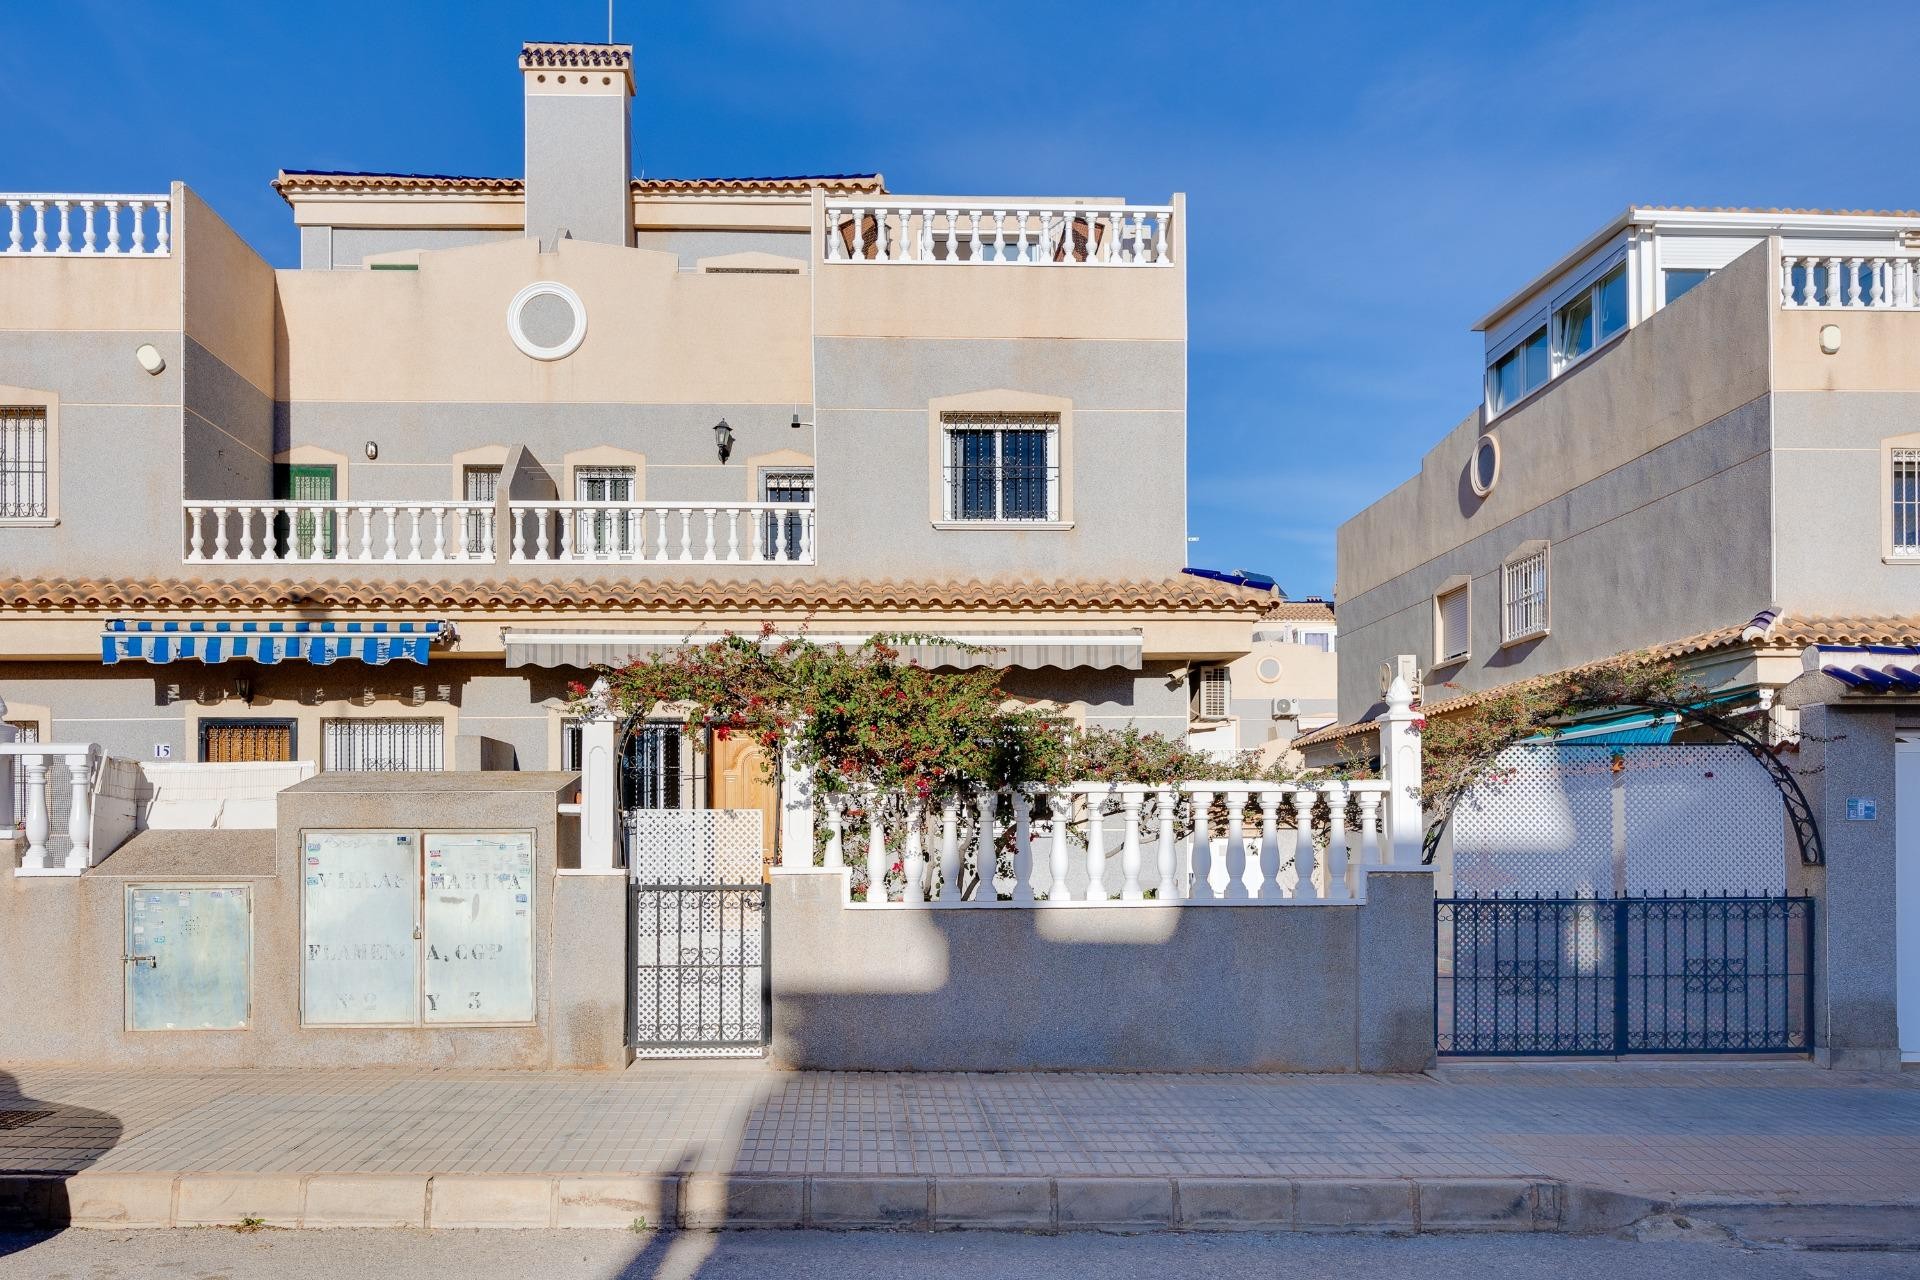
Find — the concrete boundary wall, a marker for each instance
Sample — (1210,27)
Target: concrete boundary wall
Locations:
(1143,987)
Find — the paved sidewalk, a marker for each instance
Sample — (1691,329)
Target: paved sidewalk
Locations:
(1766,1132)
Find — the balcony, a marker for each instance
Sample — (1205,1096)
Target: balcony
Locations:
(80,226)
(998,233)
(540,533)
(1879,282)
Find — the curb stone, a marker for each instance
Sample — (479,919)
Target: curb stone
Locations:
(706,1201)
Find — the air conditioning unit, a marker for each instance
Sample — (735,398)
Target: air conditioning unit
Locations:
(1286,708)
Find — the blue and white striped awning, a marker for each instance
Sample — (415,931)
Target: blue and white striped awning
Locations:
(377,643)
(1870,668)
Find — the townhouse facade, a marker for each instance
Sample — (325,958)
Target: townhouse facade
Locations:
(382,509)
(1699,438)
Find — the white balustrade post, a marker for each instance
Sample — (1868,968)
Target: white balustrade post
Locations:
(1022,847)
(1303,886)
(1130,890)
(1236,846)
(80,814)
(913,860)
(986,848)
(1200,848)
(599,782)
(950,851)
(1096,890)
(1060,804)
(37,822)
(1335,880)
(1267,869)
(876,853)
(1400,765)
(836,854)
(1369,841)
(1167,888)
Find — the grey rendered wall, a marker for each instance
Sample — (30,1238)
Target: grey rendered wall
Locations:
(1833,501)
(1673,543)
(61,940)
(1334,988)
(119,453)
(1129,454)
(1849,751)
(347,248)
(578,167)
(695,245)
(1112,698)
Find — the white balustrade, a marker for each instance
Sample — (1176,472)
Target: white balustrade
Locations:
(29,219)
(1870,282)
(292,532)
(662,532)
(997,233)
(1313,843)
(35,762)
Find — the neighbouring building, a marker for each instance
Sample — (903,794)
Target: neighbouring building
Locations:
(378,511)
(1699,436)
(1282,688)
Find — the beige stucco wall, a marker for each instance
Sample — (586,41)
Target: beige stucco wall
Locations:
(654,334)
(227,295)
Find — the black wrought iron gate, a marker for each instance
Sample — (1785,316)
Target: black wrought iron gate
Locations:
(700,975)
(1614,976)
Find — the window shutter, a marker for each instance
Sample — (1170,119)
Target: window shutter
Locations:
(1214,698)
(1454,624)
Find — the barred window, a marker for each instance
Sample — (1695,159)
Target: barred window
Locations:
(480,484)
(378,745)
(1002,466)
(1523,596)
(1906,502)
(23,463)
(786,533)
(650,763)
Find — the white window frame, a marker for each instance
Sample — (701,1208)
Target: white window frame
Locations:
(28,428)
(1523,334)
(1000,423)
(1525,617)
(1214,696)
(1588,285)
(1902,456)
(1445,655)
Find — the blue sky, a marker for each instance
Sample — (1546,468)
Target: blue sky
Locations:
(1363,180)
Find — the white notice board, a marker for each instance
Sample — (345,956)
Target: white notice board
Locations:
(360,935)
(479,926)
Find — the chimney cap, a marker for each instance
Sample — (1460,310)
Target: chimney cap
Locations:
(535,54)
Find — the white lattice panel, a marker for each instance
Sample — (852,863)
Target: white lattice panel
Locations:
(1702,817)
(695,846)
(1686,817)
(1541,824)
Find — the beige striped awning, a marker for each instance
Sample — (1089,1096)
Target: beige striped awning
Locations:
(961,650)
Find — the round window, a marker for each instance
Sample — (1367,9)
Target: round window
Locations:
(1485,472)
(1269,669)
(547,320)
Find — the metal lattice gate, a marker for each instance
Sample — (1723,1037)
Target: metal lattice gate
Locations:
(700,967)
(1616,976)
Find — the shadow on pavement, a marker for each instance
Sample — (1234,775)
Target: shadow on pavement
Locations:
(42,1141)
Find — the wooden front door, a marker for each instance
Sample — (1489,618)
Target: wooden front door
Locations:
(738,780)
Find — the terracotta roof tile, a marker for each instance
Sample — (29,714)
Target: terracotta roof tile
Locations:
(540,53)
(342,182)
(1300,611)
(1768,631)
(1155,596)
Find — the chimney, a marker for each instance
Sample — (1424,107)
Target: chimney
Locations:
(579,168)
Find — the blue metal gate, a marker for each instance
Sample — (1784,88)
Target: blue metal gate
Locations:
(1616,976)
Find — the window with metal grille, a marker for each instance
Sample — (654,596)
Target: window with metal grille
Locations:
(245,741)
(377,745)
(1452,622)
(23,463)
(480,484)
(786,532)
(650,763)
(1002,466)
(1215,697)
(604,532)
(1906,502)
(1523,596)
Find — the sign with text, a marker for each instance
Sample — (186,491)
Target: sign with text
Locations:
(360,938)
(189,957)
(479,927)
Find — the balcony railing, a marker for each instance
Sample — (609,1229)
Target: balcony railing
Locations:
(339,532)
(662,533)
(86,226)
(1873,283)
(998,233)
